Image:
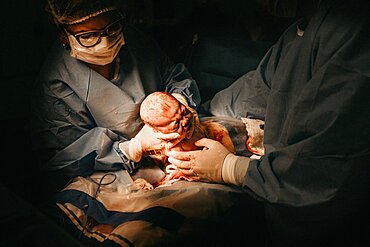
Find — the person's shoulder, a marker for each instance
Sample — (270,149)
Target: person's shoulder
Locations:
(56,52)
(60,66)
(345,11)
(56,56)
(342,21)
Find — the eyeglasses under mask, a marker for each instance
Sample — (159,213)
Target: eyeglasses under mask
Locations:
(99,47)
(91,38)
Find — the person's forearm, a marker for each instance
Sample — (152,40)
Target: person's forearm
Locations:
(95,152)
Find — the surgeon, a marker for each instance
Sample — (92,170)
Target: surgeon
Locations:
(312,89)
(88,94)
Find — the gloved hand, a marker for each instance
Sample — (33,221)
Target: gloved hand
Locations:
(148,140)
(203,165)
(181,98)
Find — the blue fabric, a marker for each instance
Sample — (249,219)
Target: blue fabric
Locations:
(164,217)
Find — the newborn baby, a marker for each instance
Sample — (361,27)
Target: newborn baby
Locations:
(165,114)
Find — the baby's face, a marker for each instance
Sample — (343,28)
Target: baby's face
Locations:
(164,113)
(177,119)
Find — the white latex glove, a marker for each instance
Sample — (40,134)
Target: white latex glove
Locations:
(180,98)
(148,141)
(203,165)
(235,169)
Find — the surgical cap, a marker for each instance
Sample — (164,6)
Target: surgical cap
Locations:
(69,12)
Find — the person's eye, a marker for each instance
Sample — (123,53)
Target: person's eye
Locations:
(88,39)
(89,36)
(176,125)
(185,112)
(186,123)
(114,30)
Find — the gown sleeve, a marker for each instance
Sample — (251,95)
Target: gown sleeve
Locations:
(179,80)
(66,138)
(322,149)
(324,152)
(315,166)
(246,97)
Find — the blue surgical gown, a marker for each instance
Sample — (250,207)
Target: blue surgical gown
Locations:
(313,91)
(79,116)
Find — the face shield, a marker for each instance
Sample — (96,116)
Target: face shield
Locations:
(280,8)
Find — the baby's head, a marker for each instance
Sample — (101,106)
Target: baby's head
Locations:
(164,113)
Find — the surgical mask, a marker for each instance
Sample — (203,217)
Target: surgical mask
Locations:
(280,8)
(102,53)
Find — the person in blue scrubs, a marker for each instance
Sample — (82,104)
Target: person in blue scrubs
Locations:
(312,90)
(88,93)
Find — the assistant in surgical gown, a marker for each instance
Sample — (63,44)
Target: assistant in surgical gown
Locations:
(313,91)
(79,116)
